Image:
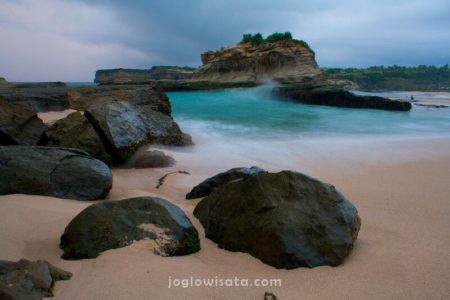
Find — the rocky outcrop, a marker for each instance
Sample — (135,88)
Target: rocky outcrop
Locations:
(75,131)
(208,185)
(29,280)
(124,127)
(19,125)
(153,159)
(116,224)
(283,61)
(155,73)
(57,172)
(285,219)
(124,116)
(339,98)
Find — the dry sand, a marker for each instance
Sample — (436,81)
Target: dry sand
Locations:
(400,188)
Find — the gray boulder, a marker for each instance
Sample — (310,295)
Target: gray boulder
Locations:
(29,280)
(153,159)
(124,127)
(116,224)
(285,219)
(57,172)
(75,131)
(19,125)
(207,186)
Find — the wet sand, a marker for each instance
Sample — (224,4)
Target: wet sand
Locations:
(400,188)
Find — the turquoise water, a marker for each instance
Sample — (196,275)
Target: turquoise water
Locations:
(256,113)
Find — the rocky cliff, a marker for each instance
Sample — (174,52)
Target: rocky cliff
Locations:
(155,73)
(285,61)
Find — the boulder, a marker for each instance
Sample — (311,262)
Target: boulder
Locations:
(116,224)
(75,131)
(207,186)
(29,280)
(285,219)
(124,127)
(339,98)
(57,172)
(153,159)
(19,125)
(270,296)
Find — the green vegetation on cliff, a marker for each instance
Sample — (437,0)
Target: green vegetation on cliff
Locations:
(396,78)
(257,39)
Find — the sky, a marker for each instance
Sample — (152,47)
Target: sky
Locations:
(68,40)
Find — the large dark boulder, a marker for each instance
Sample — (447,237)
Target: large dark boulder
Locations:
(75,131)
(340,98)
(285,219)
(208,185)
(124,127)
(57,172)
(29,280)
(116,224)
(19,125)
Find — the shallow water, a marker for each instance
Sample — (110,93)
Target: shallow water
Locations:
(255,113)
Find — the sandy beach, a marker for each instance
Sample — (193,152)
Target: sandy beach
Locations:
(400,189)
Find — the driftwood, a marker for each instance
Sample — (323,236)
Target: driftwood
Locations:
(161,180)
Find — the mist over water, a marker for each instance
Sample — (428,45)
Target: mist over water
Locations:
(238,127)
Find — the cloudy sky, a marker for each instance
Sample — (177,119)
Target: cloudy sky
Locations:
(69,40)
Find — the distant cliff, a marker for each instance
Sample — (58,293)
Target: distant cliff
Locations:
(155,73)
(285,61)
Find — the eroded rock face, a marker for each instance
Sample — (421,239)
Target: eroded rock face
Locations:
(124,127)
(19,125)
(208,185)
(282,61)
(116,224)
(29,280)
(75,131)
(57,172)
(285,219)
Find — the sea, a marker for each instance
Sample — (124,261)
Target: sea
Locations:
(253,125)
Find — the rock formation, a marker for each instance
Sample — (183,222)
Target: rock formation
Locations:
(339,98)
(208,185)
(29,280)
(116,224)
(283,61)
(19,125)
(155,73)
(285,219)
(75,131)
(56,172)
(124,117)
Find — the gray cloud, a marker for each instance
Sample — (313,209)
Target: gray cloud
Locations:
(69,40)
